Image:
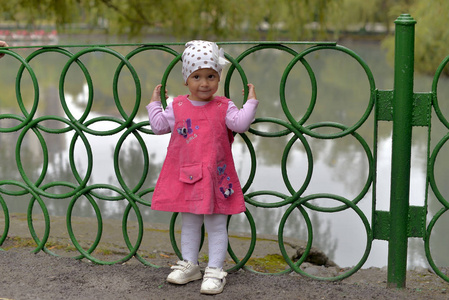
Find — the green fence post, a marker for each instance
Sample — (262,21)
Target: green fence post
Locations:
(401,153)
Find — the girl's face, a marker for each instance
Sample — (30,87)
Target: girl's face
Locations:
(203,84)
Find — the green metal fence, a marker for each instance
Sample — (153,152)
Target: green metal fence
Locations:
(401,106)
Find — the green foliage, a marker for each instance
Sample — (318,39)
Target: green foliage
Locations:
(242,20)
(356,15)
(39,12)
(189,19)
(431,34)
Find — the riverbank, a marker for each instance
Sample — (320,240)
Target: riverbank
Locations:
(43,276)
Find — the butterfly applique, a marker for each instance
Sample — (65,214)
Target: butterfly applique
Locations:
(227,192)
(222,175)
(187,129)
(221,170)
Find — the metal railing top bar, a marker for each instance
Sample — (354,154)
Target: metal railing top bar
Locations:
(306,43)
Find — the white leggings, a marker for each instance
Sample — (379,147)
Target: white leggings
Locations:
(217,236)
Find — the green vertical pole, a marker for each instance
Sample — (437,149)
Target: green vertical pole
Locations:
(401,153)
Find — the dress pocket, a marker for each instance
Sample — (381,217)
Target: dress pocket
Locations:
(191,175)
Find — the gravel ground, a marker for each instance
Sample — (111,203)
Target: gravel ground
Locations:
(25,275)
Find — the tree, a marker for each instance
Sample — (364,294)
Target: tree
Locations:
(431,33)
(189,19)
(242,20)
(355,15)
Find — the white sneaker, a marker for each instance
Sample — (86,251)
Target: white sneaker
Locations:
(184,272)
(213,281)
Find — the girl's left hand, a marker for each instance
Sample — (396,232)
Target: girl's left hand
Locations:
(3,44)
(251,92)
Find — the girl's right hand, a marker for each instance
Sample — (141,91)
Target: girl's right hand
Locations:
(157,94)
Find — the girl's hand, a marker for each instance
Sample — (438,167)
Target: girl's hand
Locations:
(3,44)
(251,92)
(157,94)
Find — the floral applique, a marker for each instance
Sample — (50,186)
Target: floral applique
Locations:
(228,191)
(186,131)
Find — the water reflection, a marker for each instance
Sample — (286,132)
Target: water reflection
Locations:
(340,166)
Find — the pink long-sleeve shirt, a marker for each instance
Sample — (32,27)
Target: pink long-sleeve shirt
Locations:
(237,120)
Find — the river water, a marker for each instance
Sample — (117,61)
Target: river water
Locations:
(339,165)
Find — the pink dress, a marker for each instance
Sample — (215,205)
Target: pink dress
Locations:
(198,175)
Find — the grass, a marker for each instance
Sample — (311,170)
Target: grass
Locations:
(272,263)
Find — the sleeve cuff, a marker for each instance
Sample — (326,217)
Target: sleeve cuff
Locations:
(155,103)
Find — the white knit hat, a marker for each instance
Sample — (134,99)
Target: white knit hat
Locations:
(201,55)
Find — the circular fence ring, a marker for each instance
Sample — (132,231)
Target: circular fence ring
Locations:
(82,67)
(236,65)
(369,178)
(35,186)
(78,123)
(86,254)
(295,194)
(241,263)
(5,51)
(70,228)
(28,115)
(250,51)
(79,179)
(33,233)
(7,221)
(125,227)
(12,117)
(43,171)
(142,193)
(308,150)
(252,172)
(30,221)
(309,233)
(133,129)
(435,102)
(72,158)
(164,81)
(127,241)
(299,124)
(40,243)
(140,201)
(13,183)
(165,78)
(128,57)
(44,152)
(431,164)
(369,238)
(285,199)
(427,244)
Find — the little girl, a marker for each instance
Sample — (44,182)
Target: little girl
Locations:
(198,178)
